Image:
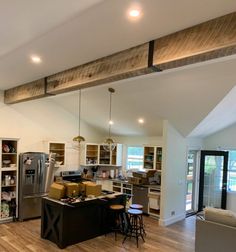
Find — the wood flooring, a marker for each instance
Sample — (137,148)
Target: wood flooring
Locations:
(25,236)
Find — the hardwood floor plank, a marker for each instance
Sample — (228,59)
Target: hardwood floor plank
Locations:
(25,237)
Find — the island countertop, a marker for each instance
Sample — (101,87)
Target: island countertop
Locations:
(86,200)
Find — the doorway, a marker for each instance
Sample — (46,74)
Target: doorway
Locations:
(213,179)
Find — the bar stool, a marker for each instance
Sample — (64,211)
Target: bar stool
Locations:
(139,207)
(134,229)
(117,210)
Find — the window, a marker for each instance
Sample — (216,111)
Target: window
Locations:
(232,171)
(135,157)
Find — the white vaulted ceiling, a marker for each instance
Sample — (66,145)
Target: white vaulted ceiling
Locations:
(69,33)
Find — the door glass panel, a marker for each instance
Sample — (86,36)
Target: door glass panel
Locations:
(213,176)
(192,156)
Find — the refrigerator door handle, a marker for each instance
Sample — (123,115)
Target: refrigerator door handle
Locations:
(35,196)
(39,173)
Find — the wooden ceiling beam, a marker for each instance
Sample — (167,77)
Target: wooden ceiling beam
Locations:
(209,40)
(123,65)
(29,91)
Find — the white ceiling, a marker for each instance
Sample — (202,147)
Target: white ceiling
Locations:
(68,33)
(184,97)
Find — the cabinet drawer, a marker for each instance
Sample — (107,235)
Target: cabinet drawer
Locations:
(154,203)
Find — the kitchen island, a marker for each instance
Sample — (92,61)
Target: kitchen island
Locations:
(67,224)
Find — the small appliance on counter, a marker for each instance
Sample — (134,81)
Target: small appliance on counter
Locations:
(72,176)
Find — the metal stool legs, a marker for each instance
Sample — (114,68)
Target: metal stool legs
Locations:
(133,225)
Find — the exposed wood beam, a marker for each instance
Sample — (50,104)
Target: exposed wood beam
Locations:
(209,40)
(29,91)
(122,65)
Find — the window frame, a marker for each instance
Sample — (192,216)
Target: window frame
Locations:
(229,173)
(139,159)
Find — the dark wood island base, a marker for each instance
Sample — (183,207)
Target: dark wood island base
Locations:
(68,224)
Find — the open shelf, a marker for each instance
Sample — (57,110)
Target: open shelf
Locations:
(8,175)
(59,149)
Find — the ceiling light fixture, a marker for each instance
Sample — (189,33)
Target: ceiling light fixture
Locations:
(79,138)
(36,59)
(141,120)
(109,144)
(134,13)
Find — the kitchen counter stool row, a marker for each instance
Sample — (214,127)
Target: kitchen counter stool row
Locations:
(129,223)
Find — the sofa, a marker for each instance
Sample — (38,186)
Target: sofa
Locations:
(216,232)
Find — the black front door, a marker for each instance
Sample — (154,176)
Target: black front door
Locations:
(213,179)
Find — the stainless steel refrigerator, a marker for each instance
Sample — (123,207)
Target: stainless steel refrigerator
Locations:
(35,178)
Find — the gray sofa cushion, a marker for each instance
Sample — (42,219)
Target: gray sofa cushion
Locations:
(225,217)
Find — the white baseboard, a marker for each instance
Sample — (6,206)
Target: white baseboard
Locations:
(171,220)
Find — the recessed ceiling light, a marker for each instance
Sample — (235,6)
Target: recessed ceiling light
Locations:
(111,122)
(36,59)
(141,120)
(134,13)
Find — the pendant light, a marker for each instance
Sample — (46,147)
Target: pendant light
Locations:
(79,138)
(109,144)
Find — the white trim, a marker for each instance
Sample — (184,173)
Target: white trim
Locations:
(171,220)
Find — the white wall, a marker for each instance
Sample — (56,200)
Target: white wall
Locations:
(173,189)
(224,139)
(37,122)
(194,143)
(139,141)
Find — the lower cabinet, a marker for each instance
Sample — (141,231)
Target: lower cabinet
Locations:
(154,196)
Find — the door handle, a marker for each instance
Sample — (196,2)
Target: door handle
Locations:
(35,196)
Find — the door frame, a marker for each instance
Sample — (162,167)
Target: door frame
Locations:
(204,153)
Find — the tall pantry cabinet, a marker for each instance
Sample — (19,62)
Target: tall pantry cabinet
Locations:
(8,178)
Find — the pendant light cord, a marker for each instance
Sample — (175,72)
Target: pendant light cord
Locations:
(79,109)
(111,90)
(109,130)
